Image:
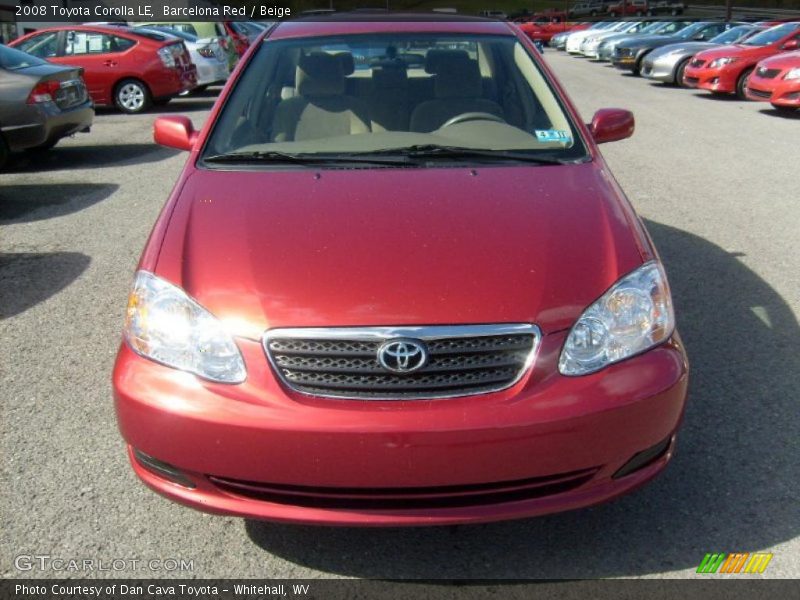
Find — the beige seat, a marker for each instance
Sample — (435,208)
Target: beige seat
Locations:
(320,108)
(389,105)
(458,89)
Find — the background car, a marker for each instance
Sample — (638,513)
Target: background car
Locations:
(606,49)
(207,55)
(666,64)
(40,103)
(630,55)
(559,40)
(725,70)
(204,30)
(574,40)
(777,80)
(590,47)
(631,7)
(123,68)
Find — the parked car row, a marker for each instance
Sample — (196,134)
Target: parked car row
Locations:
(756,61)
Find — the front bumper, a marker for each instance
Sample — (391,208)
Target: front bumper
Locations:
(660,69)
(625,62)
(777,92)
(720,80)
(550,443)
(41,124)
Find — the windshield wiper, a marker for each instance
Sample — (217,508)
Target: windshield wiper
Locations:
(438,151)
(302,159)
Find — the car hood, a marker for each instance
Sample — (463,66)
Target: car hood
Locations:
(263,249)
(737,50)
(683,49)
(789,60)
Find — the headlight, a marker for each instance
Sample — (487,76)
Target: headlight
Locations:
(631,317)
(165,325)
(793,74)
(721,62)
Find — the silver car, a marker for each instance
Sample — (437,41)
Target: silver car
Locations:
(40,102)
(668,62)
(606,48)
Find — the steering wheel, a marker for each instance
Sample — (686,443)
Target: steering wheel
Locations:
(473,116)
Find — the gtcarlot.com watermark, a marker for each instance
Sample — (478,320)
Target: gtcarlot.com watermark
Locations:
(48,563)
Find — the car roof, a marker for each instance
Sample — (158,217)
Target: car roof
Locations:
(354,23)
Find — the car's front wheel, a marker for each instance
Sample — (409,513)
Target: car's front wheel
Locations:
(132,96)
(680,71)
(4,152)
(741,84)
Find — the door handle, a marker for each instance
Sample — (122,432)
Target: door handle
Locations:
(110,63)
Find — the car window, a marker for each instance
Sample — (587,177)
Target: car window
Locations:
(94,42)
(44,45)
(367,93)
(770,36)
(12,59)
(187,27)
(732,35)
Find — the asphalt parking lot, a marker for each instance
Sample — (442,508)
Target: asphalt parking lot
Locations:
(714,179)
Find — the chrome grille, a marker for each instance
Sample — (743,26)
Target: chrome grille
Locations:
(343,362)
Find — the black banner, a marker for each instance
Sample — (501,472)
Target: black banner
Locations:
(349,589)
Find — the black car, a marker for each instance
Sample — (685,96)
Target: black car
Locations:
(40,102)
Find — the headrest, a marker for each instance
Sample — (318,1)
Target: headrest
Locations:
(348,63)
(436,59)
(319,74)
(458,77)
(389,77)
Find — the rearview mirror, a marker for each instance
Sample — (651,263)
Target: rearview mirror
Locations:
(612,124)
(792,44)
(175,132)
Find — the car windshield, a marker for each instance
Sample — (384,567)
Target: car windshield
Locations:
(671,27)
(652,27)
(393,94)
(13,60)
(690,31)
(732,35)
(770,36)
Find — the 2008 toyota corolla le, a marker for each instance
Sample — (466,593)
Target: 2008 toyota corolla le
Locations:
(396,284)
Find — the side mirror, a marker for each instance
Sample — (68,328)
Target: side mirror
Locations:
(612,124)
(175,132)
(792,44)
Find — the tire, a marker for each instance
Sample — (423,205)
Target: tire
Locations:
(679,71)
(637,68)
(4,152)
(594,14)
(741,84)
(638,13)
(132,96)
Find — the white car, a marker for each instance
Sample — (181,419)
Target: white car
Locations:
(591,43)
(575,40)
(206,53)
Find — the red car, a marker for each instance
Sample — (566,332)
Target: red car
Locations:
(239,34)
(402,293)
(777,80)
(124,68)
(544,30)
(726,69)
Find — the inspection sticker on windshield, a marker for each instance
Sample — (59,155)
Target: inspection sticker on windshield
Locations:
(553,135)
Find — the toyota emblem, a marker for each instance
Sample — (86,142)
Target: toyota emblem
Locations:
(403,356)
